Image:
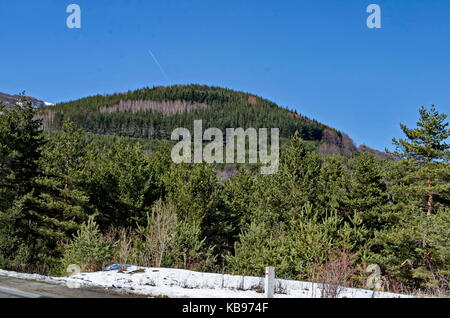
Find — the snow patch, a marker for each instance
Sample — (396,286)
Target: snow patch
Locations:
(180,283)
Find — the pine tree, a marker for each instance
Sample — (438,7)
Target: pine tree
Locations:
(120,182)
(59,193)
(88,249)
(332,187)
(20,144)
(49,206)
(20,150)
(425,147)
(367,191)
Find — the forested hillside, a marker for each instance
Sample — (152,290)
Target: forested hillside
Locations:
(71,197)
(154,113)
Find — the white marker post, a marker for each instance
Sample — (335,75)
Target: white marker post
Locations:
(270,282)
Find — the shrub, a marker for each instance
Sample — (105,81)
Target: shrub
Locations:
(88,249)
(336,273)
(292,249)
(189,250)
(158,234)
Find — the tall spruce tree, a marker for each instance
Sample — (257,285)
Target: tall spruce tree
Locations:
(367,191)
(59,193)
(20,143)
(44,206)
(426,149)
(20,150)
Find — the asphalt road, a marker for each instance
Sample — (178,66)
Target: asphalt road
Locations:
(14,293)
(21,288)
(7,295)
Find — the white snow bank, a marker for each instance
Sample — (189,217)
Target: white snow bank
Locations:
(164,282)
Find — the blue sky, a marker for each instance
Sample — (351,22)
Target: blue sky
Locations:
(315,56)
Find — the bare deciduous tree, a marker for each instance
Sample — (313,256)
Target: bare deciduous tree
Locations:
(164,107)
(335,274)
(160,231)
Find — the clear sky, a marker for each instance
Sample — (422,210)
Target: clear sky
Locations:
(315,56)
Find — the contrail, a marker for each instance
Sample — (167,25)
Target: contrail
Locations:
(159,65)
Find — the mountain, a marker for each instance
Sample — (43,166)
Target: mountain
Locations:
(9,100)
(153,113)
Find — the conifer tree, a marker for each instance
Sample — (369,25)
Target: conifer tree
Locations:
(20,150)
(367,191)
(332,187)
(59,190)
(20,143)
(50,207)
(425,147)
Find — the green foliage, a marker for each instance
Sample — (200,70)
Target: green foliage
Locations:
(280,197)
(190,250)
(193,190)
(414,249)
(233,212)
(428,155)
(88,249)
(316,212)
(416,252)
(294,248)
(32,220)
(20,143)
(60,195)
(427,142)
(367,192)
(165,240)
(227,108)
(367,186)
(333,184)
(120,183)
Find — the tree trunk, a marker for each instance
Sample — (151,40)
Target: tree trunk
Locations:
(430,200)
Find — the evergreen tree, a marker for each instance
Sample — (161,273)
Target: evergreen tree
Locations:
(120,183)
(282,195)
(59,193)
(413,251)
(46,207)
(88,249)
(155,112)
(368,192)
(20,149)
(426,149)
(333,184)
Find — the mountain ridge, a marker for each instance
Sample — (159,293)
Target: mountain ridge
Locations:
(9,100)
(152,113)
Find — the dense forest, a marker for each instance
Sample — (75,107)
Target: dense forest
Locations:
(153,113)
(73,197)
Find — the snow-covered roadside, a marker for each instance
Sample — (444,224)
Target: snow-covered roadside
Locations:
(178,283)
